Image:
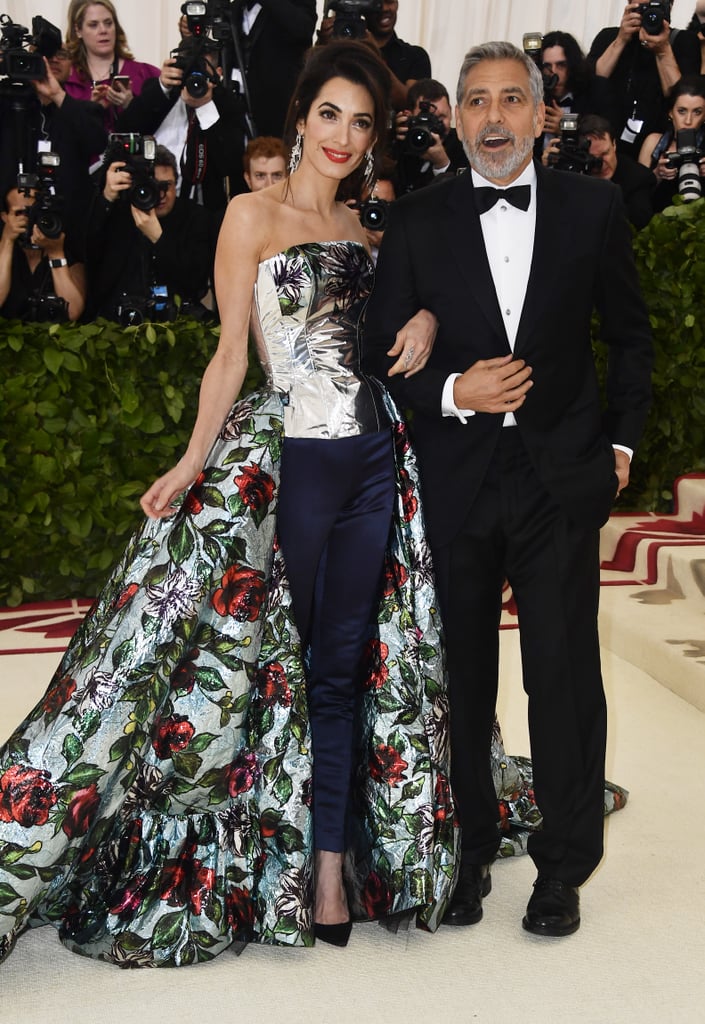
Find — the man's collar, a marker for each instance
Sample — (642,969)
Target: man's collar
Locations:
(527,177)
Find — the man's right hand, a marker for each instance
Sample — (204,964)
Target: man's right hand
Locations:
(493,385)
(117,180)
(630,23)
(171,76)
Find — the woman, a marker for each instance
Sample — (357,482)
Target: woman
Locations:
(159,797)
(686,110)
(103,67)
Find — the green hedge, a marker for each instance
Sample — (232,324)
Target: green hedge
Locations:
(91,413)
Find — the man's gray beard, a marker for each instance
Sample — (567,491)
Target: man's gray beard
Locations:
(499,169)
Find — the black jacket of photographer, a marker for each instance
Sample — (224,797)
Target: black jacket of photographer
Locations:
(634,85)
(414,171)
(123,261)
(28,287)
(273,53)
(224,140)
(74,132)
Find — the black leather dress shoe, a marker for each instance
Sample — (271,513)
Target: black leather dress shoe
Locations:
(333,934)
(465,907)
(553,909)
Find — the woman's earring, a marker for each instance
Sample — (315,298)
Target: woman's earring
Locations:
(369,178)
(296,151)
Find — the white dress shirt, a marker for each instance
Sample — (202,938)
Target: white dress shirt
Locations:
(508,234)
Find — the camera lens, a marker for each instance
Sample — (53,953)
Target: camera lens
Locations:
(373,215)
(689,184)
(49,224)
(145,194)
(196,85)
(419,139)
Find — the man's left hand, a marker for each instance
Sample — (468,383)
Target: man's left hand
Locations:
(148,223)
(621,468)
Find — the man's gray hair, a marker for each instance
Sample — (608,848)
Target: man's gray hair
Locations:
(501,51)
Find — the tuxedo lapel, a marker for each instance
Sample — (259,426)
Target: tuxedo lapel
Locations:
(466,245)
(551,239)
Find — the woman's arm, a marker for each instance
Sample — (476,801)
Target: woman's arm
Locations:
(236,262)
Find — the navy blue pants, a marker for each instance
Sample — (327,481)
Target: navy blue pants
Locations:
(335,510)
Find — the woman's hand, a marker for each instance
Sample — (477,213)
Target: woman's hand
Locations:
(157,501)
(414,344)
(119,95)
(663,172)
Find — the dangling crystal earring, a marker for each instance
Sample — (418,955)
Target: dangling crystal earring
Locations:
(369,177)
(296,150)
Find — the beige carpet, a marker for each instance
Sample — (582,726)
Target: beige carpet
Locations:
(639,956)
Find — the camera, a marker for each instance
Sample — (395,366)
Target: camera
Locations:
(214,16)
(137,152)
(653,16)
(133,310)
(574,152)
(421,128)
(532,44)
(190,57)
(350,16)
(17,62)
(374,213)
(46,211)
(687,159)
(47,308)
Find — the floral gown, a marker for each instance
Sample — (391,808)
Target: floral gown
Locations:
(155,804)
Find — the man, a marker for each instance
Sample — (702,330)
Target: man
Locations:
(205,132)
(264,162)
(571,84)
(406,62)
(275,35)
(38,280)
(444,154)
(641,67)
(140,260)
(518,470)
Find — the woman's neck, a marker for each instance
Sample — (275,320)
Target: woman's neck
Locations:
(99,68)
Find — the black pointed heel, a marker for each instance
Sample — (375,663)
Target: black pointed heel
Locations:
(333,934)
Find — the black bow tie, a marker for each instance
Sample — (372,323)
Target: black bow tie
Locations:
(517,195)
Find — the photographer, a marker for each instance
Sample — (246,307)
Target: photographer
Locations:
(189,111)
(594,152)
(570,84)
(38,281)
(664,155)
(146,248)
(425,145)
(276,35)
(377,20)
(697,27)
(642,58)
(37,115)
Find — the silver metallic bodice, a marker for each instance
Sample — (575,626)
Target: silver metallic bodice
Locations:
(306,321)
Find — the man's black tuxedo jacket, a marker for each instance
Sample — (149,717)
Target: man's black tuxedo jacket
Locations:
(433,257)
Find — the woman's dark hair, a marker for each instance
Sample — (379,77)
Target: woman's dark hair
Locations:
(688,85)
(357,63)
(579,71)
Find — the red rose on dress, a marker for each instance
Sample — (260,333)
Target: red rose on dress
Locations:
(182,678)
(408,498)
(240,910)
(185,880)
(129,899)
(127,594)
(376,895)
(401,438)
(202,885)
(242,774)
(81,811)
(26,796)
(255,486)
(58,694)
(375,671)
(273,686)
(241,593)
(173,734)
(442,801)
(192,502)
(387,765)
(395,576)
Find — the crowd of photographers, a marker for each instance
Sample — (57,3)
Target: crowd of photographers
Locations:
(115,174)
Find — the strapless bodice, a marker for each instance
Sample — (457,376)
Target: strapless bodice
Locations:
(306,321)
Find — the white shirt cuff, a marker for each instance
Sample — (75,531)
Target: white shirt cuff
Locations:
(448,406)
(623,448)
